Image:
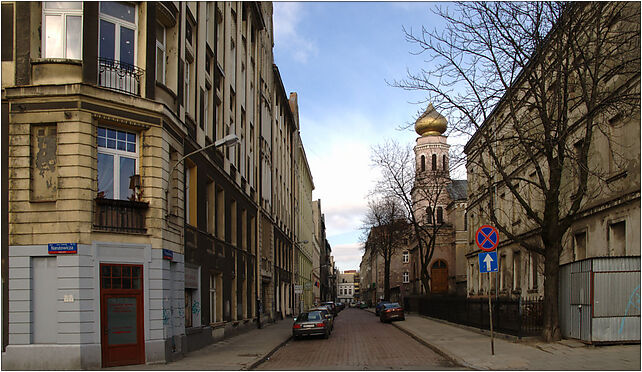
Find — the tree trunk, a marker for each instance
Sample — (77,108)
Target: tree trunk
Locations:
(552,244)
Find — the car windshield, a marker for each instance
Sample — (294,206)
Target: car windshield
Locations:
(313,315)
(393,304)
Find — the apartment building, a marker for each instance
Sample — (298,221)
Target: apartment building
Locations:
(149,185)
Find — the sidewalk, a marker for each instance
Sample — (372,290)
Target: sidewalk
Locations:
(241,352)
(472,349)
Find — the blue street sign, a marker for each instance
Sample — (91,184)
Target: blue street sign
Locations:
(62,248)
(488,262)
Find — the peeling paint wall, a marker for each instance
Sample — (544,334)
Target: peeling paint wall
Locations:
(44,177)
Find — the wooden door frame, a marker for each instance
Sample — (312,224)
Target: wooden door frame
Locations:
(139,295)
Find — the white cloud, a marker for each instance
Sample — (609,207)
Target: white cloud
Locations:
(286,18)
(347,256)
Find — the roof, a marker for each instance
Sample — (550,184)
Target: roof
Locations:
(458,189)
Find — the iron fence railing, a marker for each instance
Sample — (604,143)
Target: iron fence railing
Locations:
(519,317)
(120,215)
(119,76)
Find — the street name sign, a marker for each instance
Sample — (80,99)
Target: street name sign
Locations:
(487,238)
(488,262)
(62,248)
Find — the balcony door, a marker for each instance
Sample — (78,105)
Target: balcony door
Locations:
(117,47)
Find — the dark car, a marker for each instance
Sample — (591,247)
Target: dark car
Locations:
(340,305)
(332,306)
(327,314)
(380,306)
(363,305)
(311,323)
(392,311)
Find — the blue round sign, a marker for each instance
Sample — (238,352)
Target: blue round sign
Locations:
(487,238)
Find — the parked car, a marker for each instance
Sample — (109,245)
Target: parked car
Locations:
(340,305)
(311,323)
(327,314)
(331,304)
(380,306)
(392,311)
(363,305)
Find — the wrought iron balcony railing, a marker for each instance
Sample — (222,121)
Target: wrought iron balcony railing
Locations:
(119,76)
(120,215)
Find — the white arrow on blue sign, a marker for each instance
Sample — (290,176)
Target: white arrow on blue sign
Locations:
(488,262)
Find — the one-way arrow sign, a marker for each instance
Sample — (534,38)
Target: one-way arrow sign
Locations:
(488,262)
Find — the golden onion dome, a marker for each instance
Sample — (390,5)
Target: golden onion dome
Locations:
(430,123)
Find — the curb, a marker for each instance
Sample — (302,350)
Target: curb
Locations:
(453,359)
(265,357)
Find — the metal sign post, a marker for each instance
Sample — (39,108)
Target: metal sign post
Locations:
(487,238)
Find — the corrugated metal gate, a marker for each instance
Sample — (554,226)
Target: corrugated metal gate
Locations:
(600,299)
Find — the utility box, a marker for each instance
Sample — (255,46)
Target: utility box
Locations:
(600,300)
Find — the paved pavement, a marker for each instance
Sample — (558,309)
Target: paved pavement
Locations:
(358,342)
(472,349)
(241,352)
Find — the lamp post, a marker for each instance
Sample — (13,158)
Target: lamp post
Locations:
(229,140)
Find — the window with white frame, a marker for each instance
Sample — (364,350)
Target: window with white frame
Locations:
(406,277)
(160,52)
(62,29)
(406,257)
(117,162)
(117,35)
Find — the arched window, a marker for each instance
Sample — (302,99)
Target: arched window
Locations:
(443,162)
(429,215)
(434,162)
(423,163)
(440,215)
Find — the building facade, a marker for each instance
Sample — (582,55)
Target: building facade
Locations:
(609,215)
(131,220)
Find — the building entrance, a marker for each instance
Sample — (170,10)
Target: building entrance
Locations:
(121,312)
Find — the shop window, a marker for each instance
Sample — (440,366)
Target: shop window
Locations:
(117,162)
(62,29)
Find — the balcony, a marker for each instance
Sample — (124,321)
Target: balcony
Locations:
(120,216)
(119,76)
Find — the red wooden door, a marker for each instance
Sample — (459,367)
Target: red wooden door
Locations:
(439,276)
(121,309)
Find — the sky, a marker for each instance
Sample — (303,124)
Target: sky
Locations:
(338,57)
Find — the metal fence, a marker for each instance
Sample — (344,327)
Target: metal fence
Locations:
(519,317)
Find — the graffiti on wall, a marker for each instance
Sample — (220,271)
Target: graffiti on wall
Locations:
(634,303)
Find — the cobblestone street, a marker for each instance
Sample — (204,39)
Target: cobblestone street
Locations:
(359,341)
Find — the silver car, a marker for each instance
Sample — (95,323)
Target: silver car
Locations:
(312,323)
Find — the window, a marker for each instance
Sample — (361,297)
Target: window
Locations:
(517,270)
(579,244)
(233,223)
(617,239)
(209,206)
(220,213)
(117,162)
(429,215)
(44,177)
(434,162)
(188,307)
(440,215)
(406,257)
(62,29)
(444,164)
(423,163)
(533,270)
(206,111)
(117,32)
(502,272)
(406,277)
(160,53)
(187,87)
(190,193)
(212,298)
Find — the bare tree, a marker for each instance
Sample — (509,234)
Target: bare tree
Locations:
(419,193)
(534,84)
(384,230)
